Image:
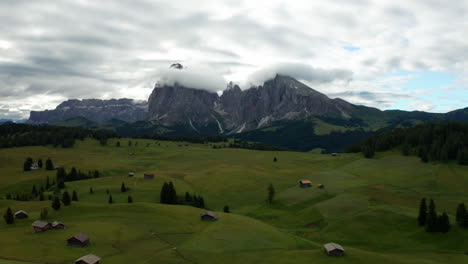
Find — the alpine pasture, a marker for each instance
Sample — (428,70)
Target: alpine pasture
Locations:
(369,206)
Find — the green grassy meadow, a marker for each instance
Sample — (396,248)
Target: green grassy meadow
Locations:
(369,206)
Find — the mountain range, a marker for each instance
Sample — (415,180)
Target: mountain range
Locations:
(282,112)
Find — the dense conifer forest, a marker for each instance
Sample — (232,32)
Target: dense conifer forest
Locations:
(429,141)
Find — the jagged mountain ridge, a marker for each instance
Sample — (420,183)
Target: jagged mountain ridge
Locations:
(235,111)
(93,109)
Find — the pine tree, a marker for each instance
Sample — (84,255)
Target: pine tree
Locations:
(47,183)
(66,200)
(117,144)
(164,193)
(34,191)
(56,203)
(44,213)
(49,164)
(188,198)
(432,218)
(422,212)
(41,196)
(226,209)
(275,159)
(96,174)
(129,143)
(8,216)
(271,193)
(74,196)
(110,199)
(123,188)
(39,163)
(107,191)
(462,215)
(27,164)
(443,223)
(130,199)
(202,202)
(91,191)
(462,156)
(172,195)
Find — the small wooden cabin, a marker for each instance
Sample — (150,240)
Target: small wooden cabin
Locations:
(305,183)
(58,225)
(40,226)
(333,249)
(88,259)
(21,214)
(148,176)
(208,216)
(78,240)
(320,186)
(131,174)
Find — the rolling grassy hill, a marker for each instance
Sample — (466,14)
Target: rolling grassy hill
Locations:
(368,205)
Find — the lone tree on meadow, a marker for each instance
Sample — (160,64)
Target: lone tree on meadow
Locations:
(8,216)
(74,196)
(49,165)
(27,164)
(275,159)
(422,212)
(123,188)
(130,199)
(431,218)
(462,215)
(271,193)
(117,144)
(66,200)
(226,209)
(91,191)
(44,213)
(56,203)
(110,199)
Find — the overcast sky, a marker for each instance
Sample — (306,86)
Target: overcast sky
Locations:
(372,52)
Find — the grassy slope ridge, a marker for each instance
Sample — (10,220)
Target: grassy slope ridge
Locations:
(368,205)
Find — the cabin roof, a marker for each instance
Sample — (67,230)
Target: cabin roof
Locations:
(89,259)
(82,237)
(208,213)
(56,223)
(332,246)
(305,182)
(40,224)
(21,212)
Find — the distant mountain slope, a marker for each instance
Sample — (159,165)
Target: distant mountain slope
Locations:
(93,109)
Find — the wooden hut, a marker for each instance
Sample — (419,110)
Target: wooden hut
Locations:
(333,249)
(58,225)
(208,216)
(131,174)
(148,176)
(88,259)
(78,240)
(305,183)
(320,186)
(40,226)
(21,214)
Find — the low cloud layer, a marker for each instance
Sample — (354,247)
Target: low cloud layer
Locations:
(298,71)
(192,76)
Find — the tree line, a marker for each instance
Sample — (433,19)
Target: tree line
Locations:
(16,135)
(190,139)
(168,195)
(430,141)
(434,222)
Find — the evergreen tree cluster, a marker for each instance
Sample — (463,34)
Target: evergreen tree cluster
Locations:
(16,135)
(429,218)
(429,141)
(9,217)
(190,139)
(194,200)
(74,175)
(168,194)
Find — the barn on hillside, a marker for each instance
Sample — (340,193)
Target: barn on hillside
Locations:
(21,214)
(208,216)
(334,249)
(305,183)
(88,259)
(40,226)
(78,240)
